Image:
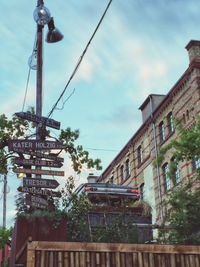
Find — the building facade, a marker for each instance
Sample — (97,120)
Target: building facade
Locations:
(135,163)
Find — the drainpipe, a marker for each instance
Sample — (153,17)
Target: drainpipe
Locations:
(157,167)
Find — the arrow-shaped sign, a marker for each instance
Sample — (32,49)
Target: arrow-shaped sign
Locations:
(39,183)
(34,144)
(37,162)
(38,171)
(38,154)
(39,191)
(38,119)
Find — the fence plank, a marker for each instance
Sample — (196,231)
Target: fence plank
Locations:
(107,259)
(135,260)
(72,259)
(66,259)
(82,259)
(42,254)
(76,259)
(103,259)
(151,260)
(123,260)
(87,259)
(42,264)
(117,259)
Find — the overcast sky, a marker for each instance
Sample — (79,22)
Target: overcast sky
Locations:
(138,50)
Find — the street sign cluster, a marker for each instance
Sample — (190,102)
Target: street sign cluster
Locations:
(38,190)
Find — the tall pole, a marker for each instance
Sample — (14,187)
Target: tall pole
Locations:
(4,199)
(39,80)
(39,74)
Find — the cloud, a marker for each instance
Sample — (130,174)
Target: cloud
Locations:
(123,116)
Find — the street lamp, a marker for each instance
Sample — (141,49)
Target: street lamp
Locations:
(42,17)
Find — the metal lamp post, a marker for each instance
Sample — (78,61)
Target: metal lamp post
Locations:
(43,17)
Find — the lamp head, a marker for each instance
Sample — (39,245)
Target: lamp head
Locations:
(41,14)
(53,35)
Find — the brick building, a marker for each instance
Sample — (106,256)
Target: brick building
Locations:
(134,163)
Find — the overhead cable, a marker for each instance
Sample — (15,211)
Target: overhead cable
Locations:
(80,60)
(28,78)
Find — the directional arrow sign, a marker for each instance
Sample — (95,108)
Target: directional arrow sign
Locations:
(38,119)
(39,191)
(34,144)
(39,183)
(37,162)
(38,154)
(38,171)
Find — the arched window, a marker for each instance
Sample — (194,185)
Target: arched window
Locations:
(122,172)
(139,154)
(170,123)
(112,179)
(176,170)
(166,179)
(161,131)
(195,164)
(187,114)
(142,191)
(127,168)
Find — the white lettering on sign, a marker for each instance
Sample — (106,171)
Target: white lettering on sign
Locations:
(42,145)
(24,144)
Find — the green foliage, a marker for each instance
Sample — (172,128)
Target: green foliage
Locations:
(183,202)
(183,216)
(5,235)
(78,155)
(9,129)
(79,226)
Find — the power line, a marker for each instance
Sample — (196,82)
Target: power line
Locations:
(80,60)
(101,149)
(28,78)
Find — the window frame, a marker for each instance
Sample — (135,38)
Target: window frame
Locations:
(166,179)
(139,155)
(161,128)
(170,122)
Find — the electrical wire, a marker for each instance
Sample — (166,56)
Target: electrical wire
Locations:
(29,73)
(101,149)
(63,103)
(80,60)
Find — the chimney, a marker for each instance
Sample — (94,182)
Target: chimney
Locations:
(92,178)
(150,105)
(193,48)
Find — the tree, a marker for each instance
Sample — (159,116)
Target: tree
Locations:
(15,128)
(183,202)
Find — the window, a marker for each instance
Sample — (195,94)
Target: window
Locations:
(165,171)
(122,172)
(127,168)
(195,164)
(139,155)
(112,179)
(142,191)
(187,114)
(176,170)
(161,131)
(170,123)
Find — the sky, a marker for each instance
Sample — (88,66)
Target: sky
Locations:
(138,50)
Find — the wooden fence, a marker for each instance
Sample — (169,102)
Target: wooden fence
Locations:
(67,254)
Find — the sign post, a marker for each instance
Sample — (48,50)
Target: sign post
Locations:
(39,183)
(34,145)
(39,171)
(39,119)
